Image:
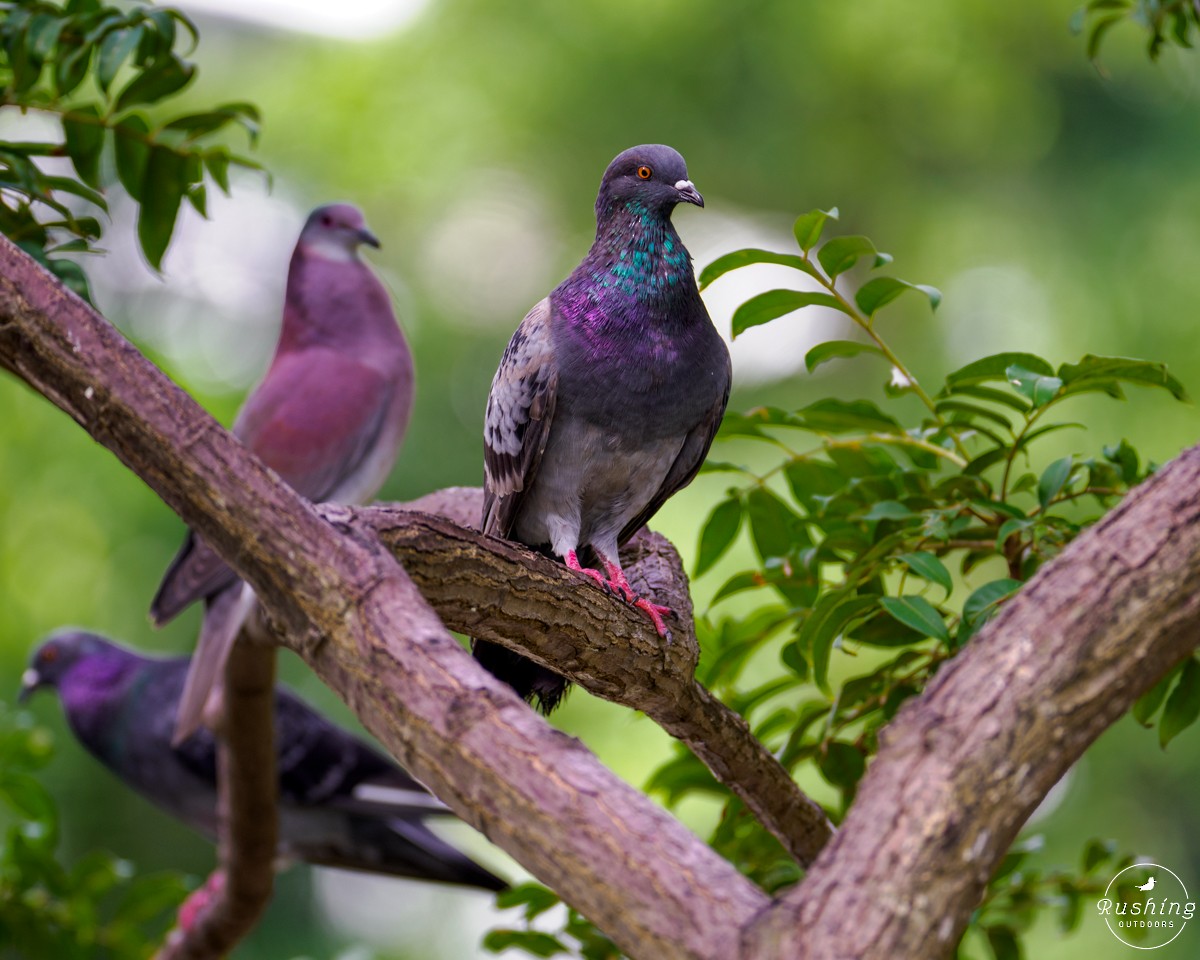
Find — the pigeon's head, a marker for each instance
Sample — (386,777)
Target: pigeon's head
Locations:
(652,175)
(56,656)
(336,231)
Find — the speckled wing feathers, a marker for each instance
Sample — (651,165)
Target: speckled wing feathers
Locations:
(517,424)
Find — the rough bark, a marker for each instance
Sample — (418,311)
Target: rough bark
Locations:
(962,767)
(500,591)
(957,774)
(247,809)
(347,607)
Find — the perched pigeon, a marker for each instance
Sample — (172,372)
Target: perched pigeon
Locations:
(607,397)
(328,418)
(341,803)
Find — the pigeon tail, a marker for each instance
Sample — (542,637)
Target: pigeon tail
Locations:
(223,619)
(531,681)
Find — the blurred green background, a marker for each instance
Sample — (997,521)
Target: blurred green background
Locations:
(1057,206)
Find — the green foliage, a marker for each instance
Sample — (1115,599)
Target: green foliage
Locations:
(546,932)
(1172,21)
(95,909)
(886,534)
(1022,890)
(103,71)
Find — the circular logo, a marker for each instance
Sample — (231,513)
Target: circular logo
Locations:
(1146,906)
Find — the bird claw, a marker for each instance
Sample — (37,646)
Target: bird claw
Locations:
(655,612)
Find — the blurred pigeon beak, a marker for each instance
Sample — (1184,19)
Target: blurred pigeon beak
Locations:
(367,237)
(30,681)
(688,193)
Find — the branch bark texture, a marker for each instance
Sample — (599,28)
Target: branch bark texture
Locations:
(958,772)
(350,610)
(503,592)
(963,766)
(248,811)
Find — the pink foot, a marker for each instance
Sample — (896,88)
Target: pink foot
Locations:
(199,900)
(656,612)
(572,562)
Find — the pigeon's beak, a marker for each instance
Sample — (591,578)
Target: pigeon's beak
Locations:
(688,192)
(367,237)
(30,681)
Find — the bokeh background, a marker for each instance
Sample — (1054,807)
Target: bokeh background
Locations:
(1056,205)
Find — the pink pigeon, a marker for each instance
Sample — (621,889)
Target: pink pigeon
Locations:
(328,417)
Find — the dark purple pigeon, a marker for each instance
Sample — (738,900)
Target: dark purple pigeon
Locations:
(607,397)
(328,417)
(341,803)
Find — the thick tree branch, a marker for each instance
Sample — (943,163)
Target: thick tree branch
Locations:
(959,770)
(500,591)
(247,810)
(962,767)
(347,606)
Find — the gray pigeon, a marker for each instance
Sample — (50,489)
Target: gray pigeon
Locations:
(328,417)
(607,397)
(341,803)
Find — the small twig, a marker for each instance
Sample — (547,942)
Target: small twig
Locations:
(602,644)
(247,811)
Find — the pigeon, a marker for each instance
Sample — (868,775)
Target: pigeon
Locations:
(1148,885)
(606,399)
(341,802)
(328,417)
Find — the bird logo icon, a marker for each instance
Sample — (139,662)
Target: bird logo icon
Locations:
(1148,885)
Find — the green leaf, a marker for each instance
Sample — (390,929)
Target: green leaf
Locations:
(1124,456)
(131,152)
(114,51)
(1077,376)
(918,613)
(843,765)
(157,82)
(1183,705)
(991,394)
(808,227)
(837,349)
(775,303)
(929,567)
(535,898)
(1053,479)
(774,528)
(1097,853)
(71,68)
(889,510)
(1038,388)
(1004,943)
(832,614)
(879,292)
(199,124)
(844,416)
(1148,703)
(971,410)
(216,161)
(162,191)
(982,603)
(84,133)
(996,367)
(718,533)
(743,258)
(531,941)
(842,253)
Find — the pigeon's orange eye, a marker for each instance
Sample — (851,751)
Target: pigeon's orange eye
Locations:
(49,654)
(644,173)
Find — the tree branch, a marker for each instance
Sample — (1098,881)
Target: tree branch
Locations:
(239,891)
(959,771)
(500,591)
(349,609)
(963,766)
